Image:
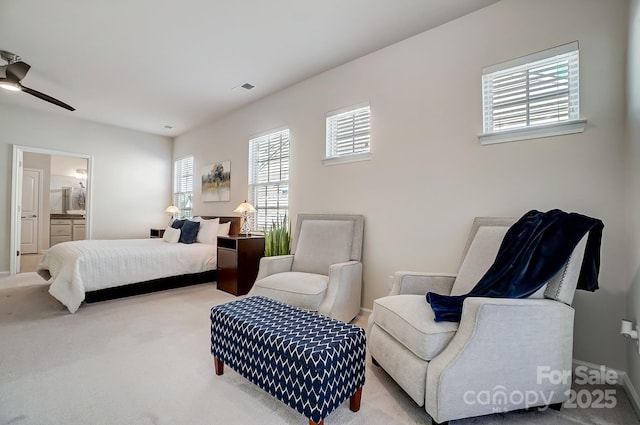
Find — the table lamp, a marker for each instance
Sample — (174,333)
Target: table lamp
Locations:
(173,210)
(245,208)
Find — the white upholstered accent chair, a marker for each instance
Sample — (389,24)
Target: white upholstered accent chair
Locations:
(501,349)
(324,271)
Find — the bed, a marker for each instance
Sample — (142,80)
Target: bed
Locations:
(95,270)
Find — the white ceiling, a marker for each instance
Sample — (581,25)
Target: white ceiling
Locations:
(144,64)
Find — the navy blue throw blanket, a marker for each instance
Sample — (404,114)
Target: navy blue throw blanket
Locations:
(533,250)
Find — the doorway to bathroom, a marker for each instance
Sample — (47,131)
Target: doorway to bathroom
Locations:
(50,202)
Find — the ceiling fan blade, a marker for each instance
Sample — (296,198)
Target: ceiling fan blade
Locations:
(17,70)
(46,97)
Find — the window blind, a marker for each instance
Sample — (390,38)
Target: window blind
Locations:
(269,178)
(538,89)
(348,132)
(183,186)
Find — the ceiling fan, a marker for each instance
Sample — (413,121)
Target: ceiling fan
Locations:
(15,70)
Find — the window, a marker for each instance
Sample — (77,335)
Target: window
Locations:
(183,186)
(533,96)
(269,178)
(349,134)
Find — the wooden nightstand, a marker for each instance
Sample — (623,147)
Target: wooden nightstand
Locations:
(156,233)
(238,261)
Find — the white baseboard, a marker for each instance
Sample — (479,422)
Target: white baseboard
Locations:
(623,379)
(631,393)
(365,310)
(4,274)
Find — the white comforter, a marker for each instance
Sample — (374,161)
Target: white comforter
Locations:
(81,266)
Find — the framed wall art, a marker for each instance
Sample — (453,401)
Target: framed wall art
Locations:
(216,182)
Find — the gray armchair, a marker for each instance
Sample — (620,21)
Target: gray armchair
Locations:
(500,350)
(324,271)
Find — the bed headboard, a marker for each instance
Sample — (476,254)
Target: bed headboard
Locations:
(234,229)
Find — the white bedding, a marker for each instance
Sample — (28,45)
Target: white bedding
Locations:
(81,266)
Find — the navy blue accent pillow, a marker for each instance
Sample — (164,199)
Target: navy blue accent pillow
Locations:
(177,224)
(189,231)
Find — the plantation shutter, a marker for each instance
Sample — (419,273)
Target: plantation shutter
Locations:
(348,132)
(269,178)
(183,186)
(538,89)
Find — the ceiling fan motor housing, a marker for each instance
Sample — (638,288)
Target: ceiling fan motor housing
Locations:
(12,74)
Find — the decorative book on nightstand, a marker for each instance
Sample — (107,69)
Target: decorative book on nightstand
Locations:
(238,261)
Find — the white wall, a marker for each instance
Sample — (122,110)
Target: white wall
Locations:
(67,165)
(633,137)
(131,183)
(429,176)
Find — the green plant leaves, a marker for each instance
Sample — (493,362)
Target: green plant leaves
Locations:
(277,240)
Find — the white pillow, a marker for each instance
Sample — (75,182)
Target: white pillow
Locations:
(208,232)
(171,235)
(223,229)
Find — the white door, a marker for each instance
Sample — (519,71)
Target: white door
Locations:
(30,220)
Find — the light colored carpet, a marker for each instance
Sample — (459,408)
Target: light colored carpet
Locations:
(146,360)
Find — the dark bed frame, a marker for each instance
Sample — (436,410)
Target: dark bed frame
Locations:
(164,283)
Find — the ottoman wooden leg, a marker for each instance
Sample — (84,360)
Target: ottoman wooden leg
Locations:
(219,366)
(312,422)
(354,401)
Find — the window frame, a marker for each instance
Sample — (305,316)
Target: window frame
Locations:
(332,157)
(262,219)
(573,124)
(182,198)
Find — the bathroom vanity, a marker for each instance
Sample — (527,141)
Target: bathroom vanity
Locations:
(66,227)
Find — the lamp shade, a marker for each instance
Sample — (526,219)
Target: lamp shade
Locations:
(172,209)
(245,207)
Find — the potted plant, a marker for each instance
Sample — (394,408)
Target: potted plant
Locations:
(277,239)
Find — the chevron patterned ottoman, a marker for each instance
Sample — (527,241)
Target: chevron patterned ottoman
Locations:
(310,362)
